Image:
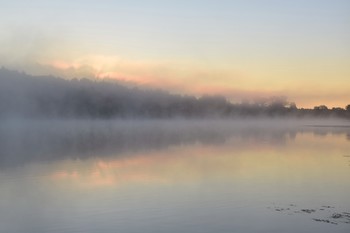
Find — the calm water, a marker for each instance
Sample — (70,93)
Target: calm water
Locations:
(159,176)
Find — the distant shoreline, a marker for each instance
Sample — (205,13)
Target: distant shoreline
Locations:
(27,96)
(329,126)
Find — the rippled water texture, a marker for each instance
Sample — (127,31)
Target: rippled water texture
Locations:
(174,176)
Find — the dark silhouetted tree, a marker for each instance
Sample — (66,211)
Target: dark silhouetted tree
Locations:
(348,108)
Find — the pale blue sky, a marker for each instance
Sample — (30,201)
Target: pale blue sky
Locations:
(259,40)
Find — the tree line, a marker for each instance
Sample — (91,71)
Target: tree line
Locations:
(46,96)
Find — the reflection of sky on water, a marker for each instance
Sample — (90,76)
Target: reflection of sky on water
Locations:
(236,159)
(173,178)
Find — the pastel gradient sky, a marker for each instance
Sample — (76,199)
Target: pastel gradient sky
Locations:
(242,49)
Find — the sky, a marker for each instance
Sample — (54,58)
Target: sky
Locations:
(242,49)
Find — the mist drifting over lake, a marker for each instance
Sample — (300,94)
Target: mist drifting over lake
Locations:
(174,116)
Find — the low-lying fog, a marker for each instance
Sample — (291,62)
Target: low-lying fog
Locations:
(23,141)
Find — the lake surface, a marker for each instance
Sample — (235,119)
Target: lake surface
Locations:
(174,176)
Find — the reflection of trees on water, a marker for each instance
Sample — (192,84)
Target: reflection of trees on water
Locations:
(320,130)
(21,143)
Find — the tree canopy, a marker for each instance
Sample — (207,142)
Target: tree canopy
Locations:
(46,96)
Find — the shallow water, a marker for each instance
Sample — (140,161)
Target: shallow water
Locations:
(174,176)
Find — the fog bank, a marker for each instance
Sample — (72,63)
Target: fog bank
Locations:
(45,97)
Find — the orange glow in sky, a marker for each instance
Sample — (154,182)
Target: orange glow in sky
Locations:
(234,48)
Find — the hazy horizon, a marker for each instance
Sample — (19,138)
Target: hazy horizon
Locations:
(45,97)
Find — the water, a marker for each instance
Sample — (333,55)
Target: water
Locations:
(174,176)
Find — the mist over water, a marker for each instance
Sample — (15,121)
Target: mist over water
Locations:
(174,116)
(28,140)
(174,175)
